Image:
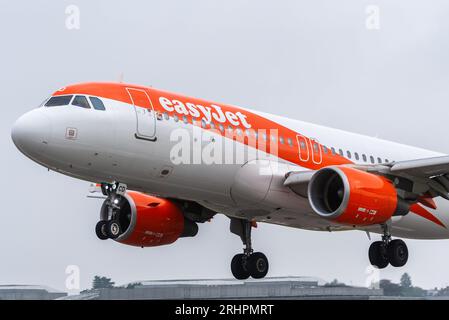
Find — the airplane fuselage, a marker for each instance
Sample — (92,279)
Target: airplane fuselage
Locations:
(178,147)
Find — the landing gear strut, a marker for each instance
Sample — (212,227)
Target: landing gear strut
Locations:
(387,251)
(248,263)
(110,228)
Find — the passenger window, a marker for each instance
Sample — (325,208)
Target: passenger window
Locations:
(176,118)
(356,156)
(302,145)
(97,103)
(81,101)
(281,140)
(316,148)
(386,160)
(290,141)
(333,150)
(364,157)
(58,101)
(348,153)
(184,119)
(379,160)
(340,152)
(371,159)
(325,149)
(221,127)
(166,116)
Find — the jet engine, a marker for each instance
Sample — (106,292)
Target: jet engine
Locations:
(353,197)
(146,221)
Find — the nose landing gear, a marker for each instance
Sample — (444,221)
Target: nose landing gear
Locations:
(110,228)
(387,251)
(248,263)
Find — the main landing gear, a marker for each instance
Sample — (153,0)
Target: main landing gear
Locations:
(387,251)
(248,263)
(110,228)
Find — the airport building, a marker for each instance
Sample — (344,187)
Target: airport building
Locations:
(268,288)
(29,292)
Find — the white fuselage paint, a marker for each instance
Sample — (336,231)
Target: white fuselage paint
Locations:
(106,149)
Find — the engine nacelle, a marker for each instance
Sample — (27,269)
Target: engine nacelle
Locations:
(147,221)
(354,197)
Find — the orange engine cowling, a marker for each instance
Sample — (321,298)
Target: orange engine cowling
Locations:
(354,197)
(147,221)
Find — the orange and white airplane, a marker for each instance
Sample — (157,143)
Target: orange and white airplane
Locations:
(167,162)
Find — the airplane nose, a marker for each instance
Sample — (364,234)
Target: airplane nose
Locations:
(30,133)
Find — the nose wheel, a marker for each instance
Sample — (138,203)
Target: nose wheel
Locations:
(100,230)
(113,229)
(107,229)
(385,252)
(248,263)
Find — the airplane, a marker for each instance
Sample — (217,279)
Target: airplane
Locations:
(165,163)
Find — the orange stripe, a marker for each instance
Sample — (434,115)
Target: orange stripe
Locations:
(117,91)
(427,201)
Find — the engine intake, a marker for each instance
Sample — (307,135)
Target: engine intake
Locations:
(351,196)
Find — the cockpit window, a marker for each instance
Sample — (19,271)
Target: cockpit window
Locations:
(97,103)
(81,101)
(58,101)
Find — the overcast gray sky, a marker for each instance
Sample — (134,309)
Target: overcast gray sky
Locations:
(311,60)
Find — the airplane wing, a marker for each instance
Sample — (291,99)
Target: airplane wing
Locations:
(424,168)
(427,175)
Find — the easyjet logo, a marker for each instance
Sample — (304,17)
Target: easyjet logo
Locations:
(208,113)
